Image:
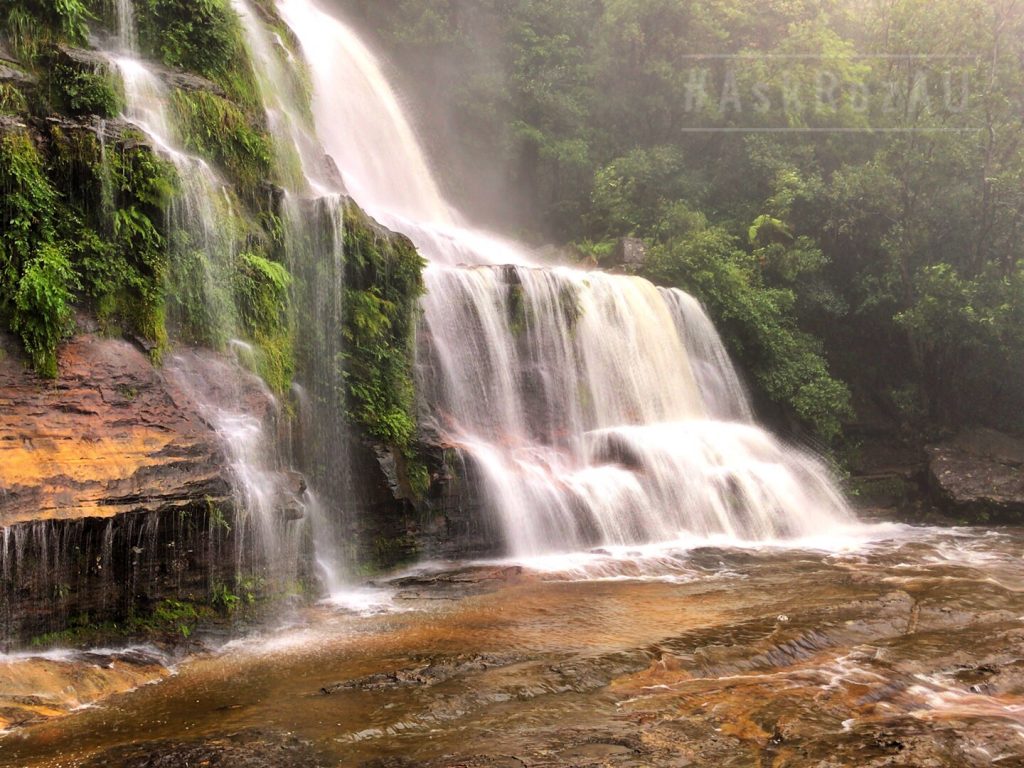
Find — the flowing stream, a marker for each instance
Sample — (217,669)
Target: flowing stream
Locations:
(898,648)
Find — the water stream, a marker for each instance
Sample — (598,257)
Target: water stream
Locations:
(202,227)
(893,647)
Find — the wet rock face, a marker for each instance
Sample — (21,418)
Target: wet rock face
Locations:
(630,251)
(115,493)
(979,476)
(112,435)
(246,749)
(32,690)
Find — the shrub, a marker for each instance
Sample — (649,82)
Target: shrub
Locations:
(42,306)
(81,92)
(201,36)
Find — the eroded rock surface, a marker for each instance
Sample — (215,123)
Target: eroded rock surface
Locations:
(112,435)
(116,493)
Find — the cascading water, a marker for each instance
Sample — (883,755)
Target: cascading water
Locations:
(313,215)
(202,231)
(201,214)
(598,408)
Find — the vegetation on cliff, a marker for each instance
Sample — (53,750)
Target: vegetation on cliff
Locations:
(383,284)
(96,216)
(92,209)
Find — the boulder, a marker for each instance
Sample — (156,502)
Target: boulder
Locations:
(13,74)
(979,476)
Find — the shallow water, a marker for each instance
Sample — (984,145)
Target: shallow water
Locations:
(905,647)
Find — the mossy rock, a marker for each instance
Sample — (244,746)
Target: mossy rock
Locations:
(80,82)
(384,281)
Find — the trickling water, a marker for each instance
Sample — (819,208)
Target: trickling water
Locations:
(269,502)
(201,215)
(127,36)
(304,164)
(202,233)
(313,215)
(598,408)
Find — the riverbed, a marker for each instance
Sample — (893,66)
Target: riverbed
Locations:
(889,647)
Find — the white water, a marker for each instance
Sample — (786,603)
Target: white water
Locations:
(201,216)
(363,127)
(226,395)
(597,409)
(201,223)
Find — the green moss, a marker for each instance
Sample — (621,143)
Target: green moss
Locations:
(419,476)
(27,205)
(392,552)
(517,310)
(118,198)
(36,277)
(200,299)
(144,186)
(218,130)
(261,291)
(170,620)
(384,282)
(79,91)
(201,36)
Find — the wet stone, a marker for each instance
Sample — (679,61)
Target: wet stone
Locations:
(248,749)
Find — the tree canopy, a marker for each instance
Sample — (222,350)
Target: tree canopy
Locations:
(839,182)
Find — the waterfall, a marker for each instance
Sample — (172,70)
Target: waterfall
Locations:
(313,215)
(203,231)
(598,409)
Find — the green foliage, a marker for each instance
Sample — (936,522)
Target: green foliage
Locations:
(31,25)
(224,599)
(217,129)
(200,301)
(262,296)
(900,248)
(757,324)
(81,92)
(27,204)
(384,282)
(634,193)
(261,293)
(143,186)
(98,237)
(12,100)
(42,306)
(36,278)
(200,36)
(174,617)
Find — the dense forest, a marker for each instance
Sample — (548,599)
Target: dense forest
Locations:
(841,183)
